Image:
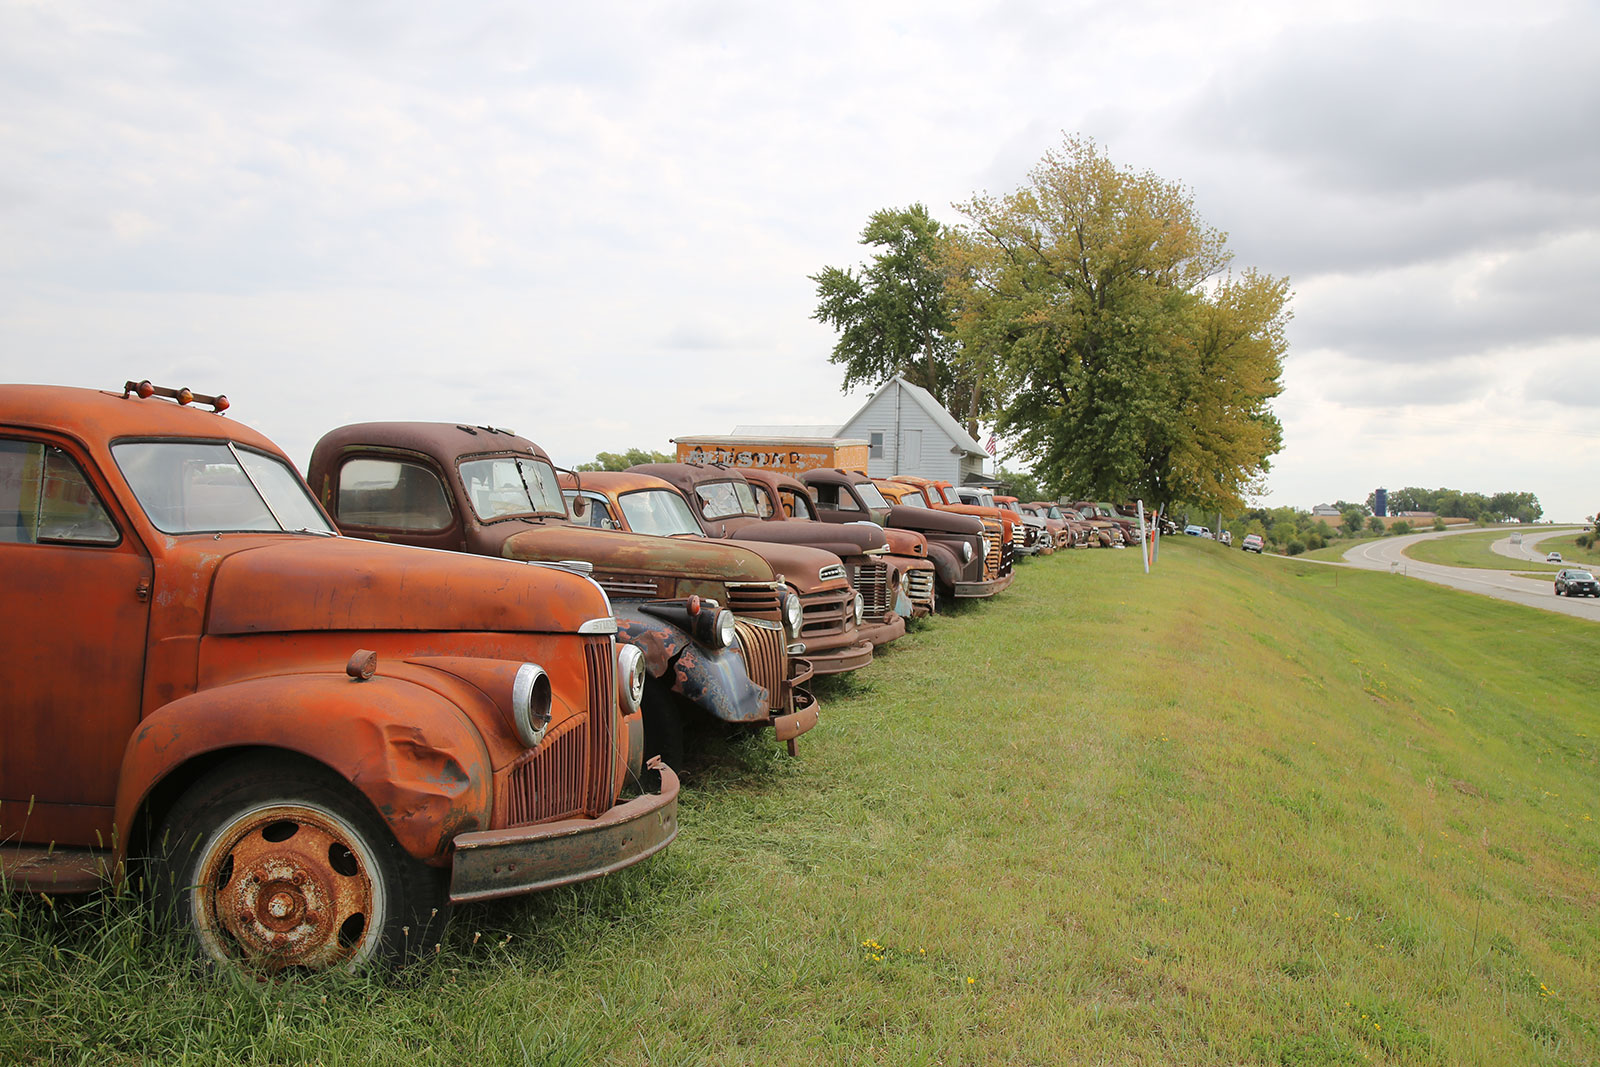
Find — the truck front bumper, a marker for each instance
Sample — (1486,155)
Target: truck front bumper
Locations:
(982,589)
(489,864)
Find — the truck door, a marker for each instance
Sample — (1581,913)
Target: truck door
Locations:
(75,591)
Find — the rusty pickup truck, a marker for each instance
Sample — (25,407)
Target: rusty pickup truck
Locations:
(713,622)
(309,745)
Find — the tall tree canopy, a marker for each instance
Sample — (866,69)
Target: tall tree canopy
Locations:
(1127,359)
(894,316)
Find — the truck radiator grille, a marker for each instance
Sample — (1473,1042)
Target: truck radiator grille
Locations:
(825,613)
(601,660)
(766,660)
(992,563)
(919,587)
(755,601)
(572,772)
(872,582)
(547,783)
(1007,555)
(629,588)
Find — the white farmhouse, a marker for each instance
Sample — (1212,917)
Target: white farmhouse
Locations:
(909,432)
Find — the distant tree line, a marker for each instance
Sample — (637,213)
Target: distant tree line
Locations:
(621,461)
(1459,504)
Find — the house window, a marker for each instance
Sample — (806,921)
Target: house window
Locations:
(875,446)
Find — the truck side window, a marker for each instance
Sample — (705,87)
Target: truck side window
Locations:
(44,496)
(393,494)
(795,505)
(764,506)
(832,498)
(597,514)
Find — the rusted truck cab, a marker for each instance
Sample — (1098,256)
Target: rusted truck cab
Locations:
(999,526)
(958,545)
(906,585)
(831,612)
(310,745)
(489,492)
(1038,539)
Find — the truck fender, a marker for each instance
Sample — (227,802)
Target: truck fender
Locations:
(713,679)
(412,752)
(946,562)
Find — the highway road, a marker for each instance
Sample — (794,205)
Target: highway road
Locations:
(1387,554)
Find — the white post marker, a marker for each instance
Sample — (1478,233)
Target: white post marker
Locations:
(1144,539)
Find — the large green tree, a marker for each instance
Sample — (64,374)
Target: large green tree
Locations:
(1129,359)
(894,315)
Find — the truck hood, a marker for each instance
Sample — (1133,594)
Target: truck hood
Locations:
(906,542)
(904,518)
(338,583)
(800,565)
(614,551)
(839,538)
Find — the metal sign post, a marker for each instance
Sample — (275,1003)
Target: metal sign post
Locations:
(1144,538)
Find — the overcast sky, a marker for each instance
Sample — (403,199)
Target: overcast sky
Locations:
(594,223)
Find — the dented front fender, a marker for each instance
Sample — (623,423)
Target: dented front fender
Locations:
(412,752)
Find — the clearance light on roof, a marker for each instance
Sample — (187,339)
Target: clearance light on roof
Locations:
(185,396)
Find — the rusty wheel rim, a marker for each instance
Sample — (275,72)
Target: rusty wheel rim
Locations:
(288,886)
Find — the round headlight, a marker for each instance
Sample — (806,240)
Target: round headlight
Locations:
(725,631)
(793,614)
(861,608)
(530,704)
(630,677)
(966,552)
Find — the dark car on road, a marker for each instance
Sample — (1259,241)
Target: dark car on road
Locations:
(1573,582)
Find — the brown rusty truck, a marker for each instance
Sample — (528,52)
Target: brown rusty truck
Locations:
(713,622)
(309,746)
(830,610)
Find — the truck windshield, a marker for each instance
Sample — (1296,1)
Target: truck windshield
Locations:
(658,511)
(502,486)
(870,496)
(719,500)
(216,487)
(913,500)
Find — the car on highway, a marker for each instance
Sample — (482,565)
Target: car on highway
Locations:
(1573,582)
(1554,557)
(1251,543)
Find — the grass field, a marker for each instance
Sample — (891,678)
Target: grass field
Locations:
(1237,812)
(1472,550)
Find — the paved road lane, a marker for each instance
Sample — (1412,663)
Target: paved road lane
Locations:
(1387,554)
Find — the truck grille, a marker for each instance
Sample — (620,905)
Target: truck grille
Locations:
(766,660)
(830,572)
(573,770)
(991,564)
(919,587)
(872,582)
(629,588)
(758,600)
(826,612)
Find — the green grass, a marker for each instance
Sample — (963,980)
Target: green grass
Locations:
(1472,550)
(1226,814)
(1334,551)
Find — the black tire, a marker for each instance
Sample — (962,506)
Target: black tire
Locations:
(273,862)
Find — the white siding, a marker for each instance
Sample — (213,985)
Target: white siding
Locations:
(937,461)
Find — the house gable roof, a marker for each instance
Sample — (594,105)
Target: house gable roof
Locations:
(931,407)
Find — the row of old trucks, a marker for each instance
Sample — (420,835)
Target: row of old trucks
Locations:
(311,740)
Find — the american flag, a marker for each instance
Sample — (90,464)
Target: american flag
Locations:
(991,445)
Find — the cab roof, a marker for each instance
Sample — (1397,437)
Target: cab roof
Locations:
(97,416)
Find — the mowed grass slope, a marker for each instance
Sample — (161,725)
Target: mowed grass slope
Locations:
(1242,810)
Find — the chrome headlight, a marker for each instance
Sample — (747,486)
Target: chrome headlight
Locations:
(725,632)
(966,552)
(793,614)
(630,678)
(530,704)
(861,608)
